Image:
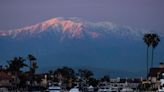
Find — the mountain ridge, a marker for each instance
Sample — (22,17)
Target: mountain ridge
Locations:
(74,28)
(65,42)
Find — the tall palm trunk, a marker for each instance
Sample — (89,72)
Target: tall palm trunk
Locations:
(30,64)
(147,62)
(152,57)
(30,72)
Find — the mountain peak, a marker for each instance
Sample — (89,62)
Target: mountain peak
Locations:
(72,28)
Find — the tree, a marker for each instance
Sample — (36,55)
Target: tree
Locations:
(93,82)
(15,65)
(33,64)
(147,40)
(85,74)
(105,78)
(32,67)
(31,59)
(155,40)
(50,75)
(66,75)
(151,40)
(66,72)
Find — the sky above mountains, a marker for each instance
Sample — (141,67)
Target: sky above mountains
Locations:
(147,14)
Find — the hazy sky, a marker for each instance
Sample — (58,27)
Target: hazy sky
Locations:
(147,14)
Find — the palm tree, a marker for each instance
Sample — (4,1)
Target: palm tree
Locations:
(154,42)
(85,73)
(32,60)
(147,40)
(151,40)
(15,65)
(33,66)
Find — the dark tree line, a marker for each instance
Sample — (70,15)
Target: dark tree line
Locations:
(17,67)
(69,76)
(18,63)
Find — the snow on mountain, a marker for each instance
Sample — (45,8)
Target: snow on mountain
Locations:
(73,28)
(77,42)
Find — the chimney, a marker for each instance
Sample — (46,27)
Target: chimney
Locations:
(161,65)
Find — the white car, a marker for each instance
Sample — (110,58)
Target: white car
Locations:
(54,88)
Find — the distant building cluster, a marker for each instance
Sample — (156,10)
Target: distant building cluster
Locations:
(65,80)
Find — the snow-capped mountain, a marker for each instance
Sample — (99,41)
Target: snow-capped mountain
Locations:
(76,42)
(72,28)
